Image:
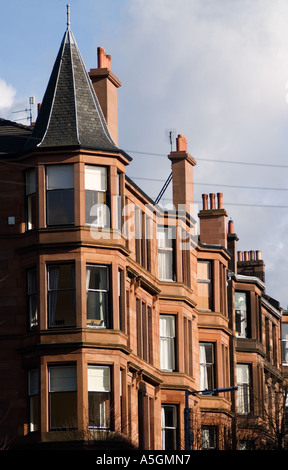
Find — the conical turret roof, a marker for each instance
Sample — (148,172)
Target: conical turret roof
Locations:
(70,114)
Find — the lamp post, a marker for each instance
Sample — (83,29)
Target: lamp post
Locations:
(188,437)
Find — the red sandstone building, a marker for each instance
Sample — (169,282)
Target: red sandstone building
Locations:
(112,309)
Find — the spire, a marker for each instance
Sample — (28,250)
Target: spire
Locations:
(70,114)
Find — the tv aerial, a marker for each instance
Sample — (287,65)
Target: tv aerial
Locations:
(170,136)
(29,111)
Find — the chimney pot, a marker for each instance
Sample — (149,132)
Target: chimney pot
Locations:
(220,200)
(212,201)
(204,199)
(258,255)
(181,143)
(231,226)
(240,256)
(246,255)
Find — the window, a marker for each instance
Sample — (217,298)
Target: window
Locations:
(204,286)
(30,200)
(62,397)
(285,343)
(96,196)
(241,314)
(97,286)
(209,437)
(167,342)
(143,318)
(119,202)
(207,366)
(32,298)
(61,295)
(60,195)
(33,393)
(121,301)
(166,263)
(99,396)
(243,393)
(169,420)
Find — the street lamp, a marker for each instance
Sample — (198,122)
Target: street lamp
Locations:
(188,437)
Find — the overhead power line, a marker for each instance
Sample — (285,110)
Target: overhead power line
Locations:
(233,162)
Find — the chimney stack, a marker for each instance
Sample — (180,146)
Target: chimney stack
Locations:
(213,230)
(105,84)
(182,176)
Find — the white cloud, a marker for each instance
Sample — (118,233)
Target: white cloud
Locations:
(7,94)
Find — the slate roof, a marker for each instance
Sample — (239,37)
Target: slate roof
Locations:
(70,114)
(12,136)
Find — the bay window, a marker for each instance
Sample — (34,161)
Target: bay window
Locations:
(97,202)
(61,295)
(99,396)
(207,366)
(62,397)
(97,288)
(167,342)
(60,194)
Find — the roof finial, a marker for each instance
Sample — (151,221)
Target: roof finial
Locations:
(68,16)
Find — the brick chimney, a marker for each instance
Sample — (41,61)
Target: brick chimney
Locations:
(105,84)
(213,229)
(232,240)
(182,176)
(250,263)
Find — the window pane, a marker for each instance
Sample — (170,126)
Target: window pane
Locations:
(61,295)
(63,397)
(30,182)
(99,414)
(95,178)
(60,207)
(98,379)
(60,177)
(241,313)
(204,295)
(62,379)
(63,410)
(97,285)
(167,342)
(169,427)
(60,194)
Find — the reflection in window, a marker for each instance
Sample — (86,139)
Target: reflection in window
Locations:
(99,390)
(97,287)
(241,314)
(61,295)
(243,392)
(209,437)
(60,194)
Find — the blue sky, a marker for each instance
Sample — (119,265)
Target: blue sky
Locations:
(213,70)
